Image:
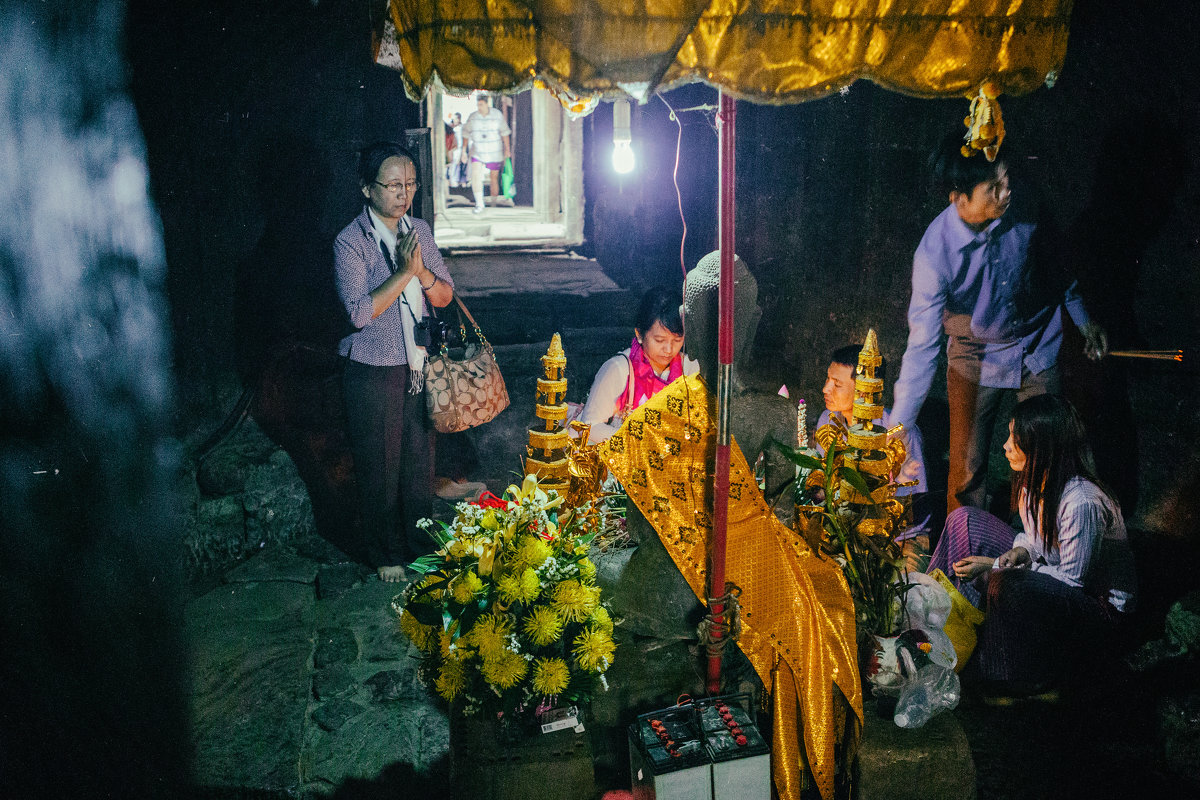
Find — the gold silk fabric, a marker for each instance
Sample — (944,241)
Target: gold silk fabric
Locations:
(796,608)
(768,51)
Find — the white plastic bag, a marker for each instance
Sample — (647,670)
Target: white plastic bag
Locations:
(927,607)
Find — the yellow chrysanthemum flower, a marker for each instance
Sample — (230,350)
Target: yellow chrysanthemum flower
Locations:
(601,620)
(593,650)
(574,601)
(587,570)
(424,582)
(489,635)
(505,670)
(543,626)
(532,552)
(423,636)
(452,678)
(550,676)
(465,586)
(522,587)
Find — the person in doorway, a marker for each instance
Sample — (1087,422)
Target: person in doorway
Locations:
(987,273)
(387,268)
(651,362)
(486,145)
(454,150)
(1066,581)
(839,404)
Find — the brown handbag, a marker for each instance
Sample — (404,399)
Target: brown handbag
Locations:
(463,393)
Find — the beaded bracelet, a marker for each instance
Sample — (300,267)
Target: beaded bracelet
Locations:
(432,284)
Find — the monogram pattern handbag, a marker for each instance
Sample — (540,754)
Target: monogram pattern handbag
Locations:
(463,393)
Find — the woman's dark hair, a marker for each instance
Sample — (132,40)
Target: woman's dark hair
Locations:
(371,158)
(848,355)
(951,171)
(1050,433)
(660,304)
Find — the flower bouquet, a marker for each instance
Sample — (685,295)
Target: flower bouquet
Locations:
(507,614)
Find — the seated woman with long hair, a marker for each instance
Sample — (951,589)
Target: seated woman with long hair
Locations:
(1066,580)
(636,374)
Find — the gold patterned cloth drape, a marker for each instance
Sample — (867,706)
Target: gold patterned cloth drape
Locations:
(796,607)
(768,51)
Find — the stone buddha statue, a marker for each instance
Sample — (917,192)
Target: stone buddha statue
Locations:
(756,417)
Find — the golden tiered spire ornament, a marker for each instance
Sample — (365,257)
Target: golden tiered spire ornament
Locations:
(874,451)
(549,445)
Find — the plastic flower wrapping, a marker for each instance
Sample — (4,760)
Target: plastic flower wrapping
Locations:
(507,614)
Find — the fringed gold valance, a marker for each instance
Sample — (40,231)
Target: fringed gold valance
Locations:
(767,51)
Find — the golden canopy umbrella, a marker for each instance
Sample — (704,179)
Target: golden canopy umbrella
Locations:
(765,51)
(768,51)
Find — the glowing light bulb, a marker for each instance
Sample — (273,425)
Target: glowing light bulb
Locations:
(623,159)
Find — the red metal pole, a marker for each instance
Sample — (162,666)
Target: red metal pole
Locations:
(725,164)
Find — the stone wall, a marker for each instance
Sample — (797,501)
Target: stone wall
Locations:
(244,495)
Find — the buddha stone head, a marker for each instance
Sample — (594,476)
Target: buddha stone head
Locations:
(700,313)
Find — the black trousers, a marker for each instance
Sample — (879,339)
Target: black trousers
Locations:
(392,444)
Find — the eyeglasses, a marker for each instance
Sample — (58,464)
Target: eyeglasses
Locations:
(410,187)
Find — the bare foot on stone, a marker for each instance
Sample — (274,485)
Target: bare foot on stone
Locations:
(392,574)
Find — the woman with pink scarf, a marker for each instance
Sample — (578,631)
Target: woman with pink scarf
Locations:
(636,374)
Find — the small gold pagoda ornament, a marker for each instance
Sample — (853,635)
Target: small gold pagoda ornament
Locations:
(549,444)
(866,446)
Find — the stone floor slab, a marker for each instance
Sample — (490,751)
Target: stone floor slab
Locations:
(274,564)
(385,735)
(251,645)
(932,762)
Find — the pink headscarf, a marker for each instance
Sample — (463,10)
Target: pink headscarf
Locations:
(646,382)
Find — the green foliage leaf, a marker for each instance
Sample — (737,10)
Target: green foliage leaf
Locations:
(796,455)
(427,564)
(855,479)
(468,615)
(441,535)
(439,581)
(425,613)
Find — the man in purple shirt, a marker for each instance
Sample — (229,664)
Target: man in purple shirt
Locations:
(986,272)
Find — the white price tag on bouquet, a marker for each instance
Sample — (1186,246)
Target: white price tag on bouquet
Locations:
(561,718)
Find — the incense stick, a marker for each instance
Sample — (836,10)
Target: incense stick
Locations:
(1157,355)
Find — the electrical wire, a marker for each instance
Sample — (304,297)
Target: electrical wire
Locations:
(675,179)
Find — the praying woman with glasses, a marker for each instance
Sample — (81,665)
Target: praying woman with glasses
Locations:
(389,272)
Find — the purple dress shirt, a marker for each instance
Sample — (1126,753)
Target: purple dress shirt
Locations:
(361,269)
(1001,308)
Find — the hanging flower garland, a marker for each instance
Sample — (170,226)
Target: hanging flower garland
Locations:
(577,106)
(985,124)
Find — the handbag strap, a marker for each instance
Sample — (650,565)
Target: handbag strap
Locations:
(474,325)
(629,388)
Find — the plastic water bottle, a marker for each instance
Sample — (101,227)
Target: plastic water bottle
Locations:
(933,689)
